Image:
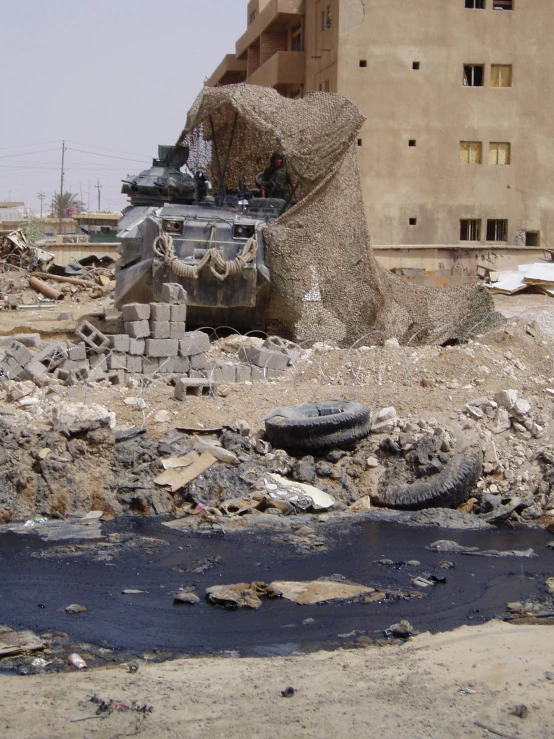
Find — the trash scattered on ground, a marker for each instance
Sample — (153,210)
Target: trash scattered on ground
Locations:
(298,494)
(76,608)
(401,630)
(109,706)
(288,692)
(521,711)
(183,596)
(75,660)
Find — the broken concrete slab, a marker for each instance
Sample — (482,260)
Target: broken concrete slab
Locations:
(318,591)
(19,642)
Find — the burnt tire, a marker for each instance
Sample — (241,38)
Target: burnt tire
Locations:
(318,425)
(447,489)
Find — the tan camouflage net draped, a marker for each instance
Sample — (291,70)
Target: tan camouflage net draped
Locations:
(326,283)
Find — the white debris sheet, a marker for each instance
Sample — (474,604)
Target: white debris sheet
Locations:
(538,275)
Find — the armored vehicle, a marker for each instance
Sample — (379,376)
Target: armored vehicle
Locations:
(175,231)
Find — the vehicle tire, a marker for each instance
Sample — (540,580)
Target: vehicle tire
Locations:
(318,425)
(447,489)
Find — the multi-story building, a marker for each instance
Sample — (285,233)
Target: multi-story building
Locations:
(458,145)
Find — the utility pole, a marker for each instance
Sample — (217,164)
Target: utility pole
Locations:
(98,186)
(41,197)
(61,188)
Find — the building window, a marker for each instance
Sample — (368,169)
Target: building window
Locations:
(297,38)
(253,16)
(324,86)
(412,142)
(532,238)
(473,75)
(359,142)
(412,221)
(363,63)
(322,20)
(415,65)
(471,152)
(497,229)
(502,4)
(328,20)
(475,4)
(470,229)
(499,152)
(501,75)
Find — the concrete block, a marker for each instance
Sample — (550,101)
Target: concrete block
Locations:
(162,347)
(136,312)
(134,364)
(73,376)
(117,377)
(224,373)
(19,352)
(274,374)
(178,313)
(258,374)
(137,346)
(187,386)
(244,373)
(13,371)
(264,358)
(99,360)
(177,330)
(150,365)
(73,364)
(166,366)
(198,374)
(199,362)
(32,341)
(52,355)
(181,365)
(77,352)
(195,342)
(94,339)
(36,372)
(137,329)
(117,361)
(120,342)
(98,373)
(173,293)
(159,329)
(160,312)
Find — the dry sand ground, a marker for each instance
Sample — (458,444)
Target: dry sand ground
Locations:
(435,687)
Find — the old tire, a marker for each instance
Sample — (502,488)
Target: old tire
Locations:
(447,489)
(318,425)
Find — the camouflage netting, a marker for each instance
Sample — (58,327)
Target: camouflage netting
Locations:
(326,282)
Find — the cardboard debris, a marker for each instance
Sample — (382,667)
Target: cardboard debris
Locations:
(173,463)
(539,275)
(299,494)
(176,479)
(318,591)
(18,642)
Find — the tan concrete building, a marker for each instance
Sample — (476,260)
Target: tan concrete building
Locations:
(458,146)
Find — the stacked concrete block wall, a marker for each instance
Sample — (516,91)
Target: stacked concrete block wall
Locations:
(155,343)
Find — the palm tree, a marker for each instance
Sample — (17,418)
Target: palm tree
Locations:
(66,205)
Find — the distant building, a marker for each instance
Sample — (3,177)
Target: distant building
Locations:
(458,146)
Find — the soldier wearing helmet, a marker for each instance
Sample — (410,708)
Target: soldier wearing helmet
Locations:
(276,179)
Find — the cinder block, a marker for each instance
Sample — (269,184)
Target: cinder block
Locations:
(98,373)
(244,373)
(274,374)
(173,293)
(160,312)
(134,364)
(137,329)
(13,371)
(98,360)
(263,357)
(117,377)
(224,373)
(181,365)
(32,341)
(198,374)
(77,352)
(258,374)
(120,342)
(199,362)
(19,352)
(187,386)
(73,376)
(52,355)
(162,347)
(159,329)
(150,365)
(136,312)
(35,370)
(137,346)
(195,342)
(166,366)
(73,364)
(177,330)
(117,361)
(94,339)
(178,313)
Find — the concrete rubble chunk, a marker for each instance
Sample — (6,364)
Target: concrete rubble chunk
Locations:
(195,342)
(137,329)
(264,358)
(384,421)
(19,352)
(136,312)
(32,341)
(94,339)
(506,398)
(221,454)
(501,421)
(187,386)
(173,293)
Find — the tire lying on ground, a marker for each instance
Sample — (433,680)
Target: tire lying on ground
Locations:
(318,425)
(447,489)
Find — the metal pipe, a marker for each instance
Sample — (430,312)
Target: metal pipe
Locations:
(47,290)
(63,278)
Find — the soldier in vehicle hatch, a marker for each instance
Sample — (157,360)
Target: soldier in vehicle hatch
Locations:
(276,179)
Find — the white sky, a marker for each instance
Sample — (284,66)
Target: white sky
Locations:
(113,77)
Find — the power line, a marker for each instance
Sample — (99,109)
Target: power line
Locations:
(25,153)
(104,148)
(108,156)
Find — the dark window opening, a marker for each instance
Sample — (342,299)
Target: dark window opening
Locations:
(363,62)
(415,65)
(412,142)
(322,20)
(412,221)
(297,38)
(502,4)
(473,75)
(470,229)
(359,142)
(328,21)
(475,4)
(532,238)
(497,229)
